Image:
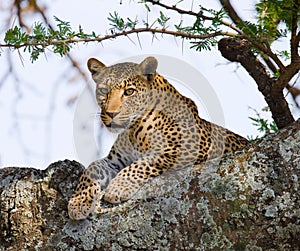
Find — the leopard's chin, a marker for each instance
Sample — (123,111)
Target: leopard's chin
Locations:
(117,127)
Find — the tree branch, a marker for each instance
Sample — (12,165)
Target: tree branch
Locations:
(269,63)
(237,50)
(270,53)
(180,11)
(294,42)
(289,72)
(119,34)
(231,12)
(265,48)
(238,21)
(17,3)
(295,92)
(192,13)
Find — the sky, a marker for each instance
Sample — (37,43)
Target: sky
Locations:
(38,123)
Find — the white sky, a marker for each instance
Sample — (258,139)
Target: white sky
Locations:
(36,126)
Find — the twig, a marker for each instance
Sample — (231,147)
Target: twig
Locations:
(19,14)
(192,13)
(119,34)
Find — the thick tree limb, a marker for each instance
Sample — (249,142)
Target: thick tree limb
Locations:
(237,50)
(248,201)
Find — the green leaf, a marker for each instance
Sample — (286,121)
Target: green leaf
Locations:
(205,44)
(163,19)
(273,126)
(94,35)
(36,53)
(15,36)
(116,21)
(147,7)
(62,49)
(285,55)
(273,10)
(263,125)
(39,31)
(64,27)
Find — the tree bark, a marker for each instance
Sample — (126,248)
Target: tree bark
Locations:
(238,50)
(246,201)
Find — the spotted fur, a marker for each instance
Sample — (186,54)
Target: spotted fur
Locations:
(158,129)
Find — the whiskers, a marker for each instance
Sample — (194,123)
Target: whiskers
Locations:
(135,116)
(121,121)
(96,117)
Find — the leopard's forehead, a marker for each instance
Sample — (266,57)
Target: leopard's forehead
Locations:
(116,74)
(121,70)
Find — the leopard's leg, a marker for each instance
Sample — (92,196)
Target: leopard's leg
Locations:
(87,193)
(131,178)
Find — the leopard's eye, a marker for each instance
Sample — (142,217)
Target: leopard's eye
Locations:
(129,92)
(103,91)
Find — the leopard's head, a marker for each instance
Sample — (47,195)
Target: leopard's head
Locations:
(122,90)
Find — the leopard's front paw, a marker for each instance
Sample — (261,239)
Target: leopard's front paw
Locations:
(120,189)
(84,203)
(78,210)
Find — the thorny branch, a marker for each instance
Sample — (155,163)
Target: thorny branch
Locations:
(120,34)
(260,45)
(196,14)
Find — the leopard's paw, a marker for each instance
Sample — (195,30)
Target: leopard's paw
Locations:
(84,203)
(120,190)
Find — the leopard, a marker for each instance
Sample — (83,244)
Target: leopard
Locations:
(158,129)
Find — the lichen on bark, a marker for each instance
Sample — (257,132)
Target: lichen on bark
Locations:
(245,201)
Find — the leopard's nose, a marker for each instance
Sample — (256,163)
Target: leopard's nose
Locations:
(112,114)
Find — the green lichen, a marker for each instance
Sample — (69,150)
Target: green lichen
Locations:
(213,238)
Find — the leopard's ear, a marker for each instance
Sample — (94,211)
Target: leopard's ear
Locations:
(95,65)
(148,68)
